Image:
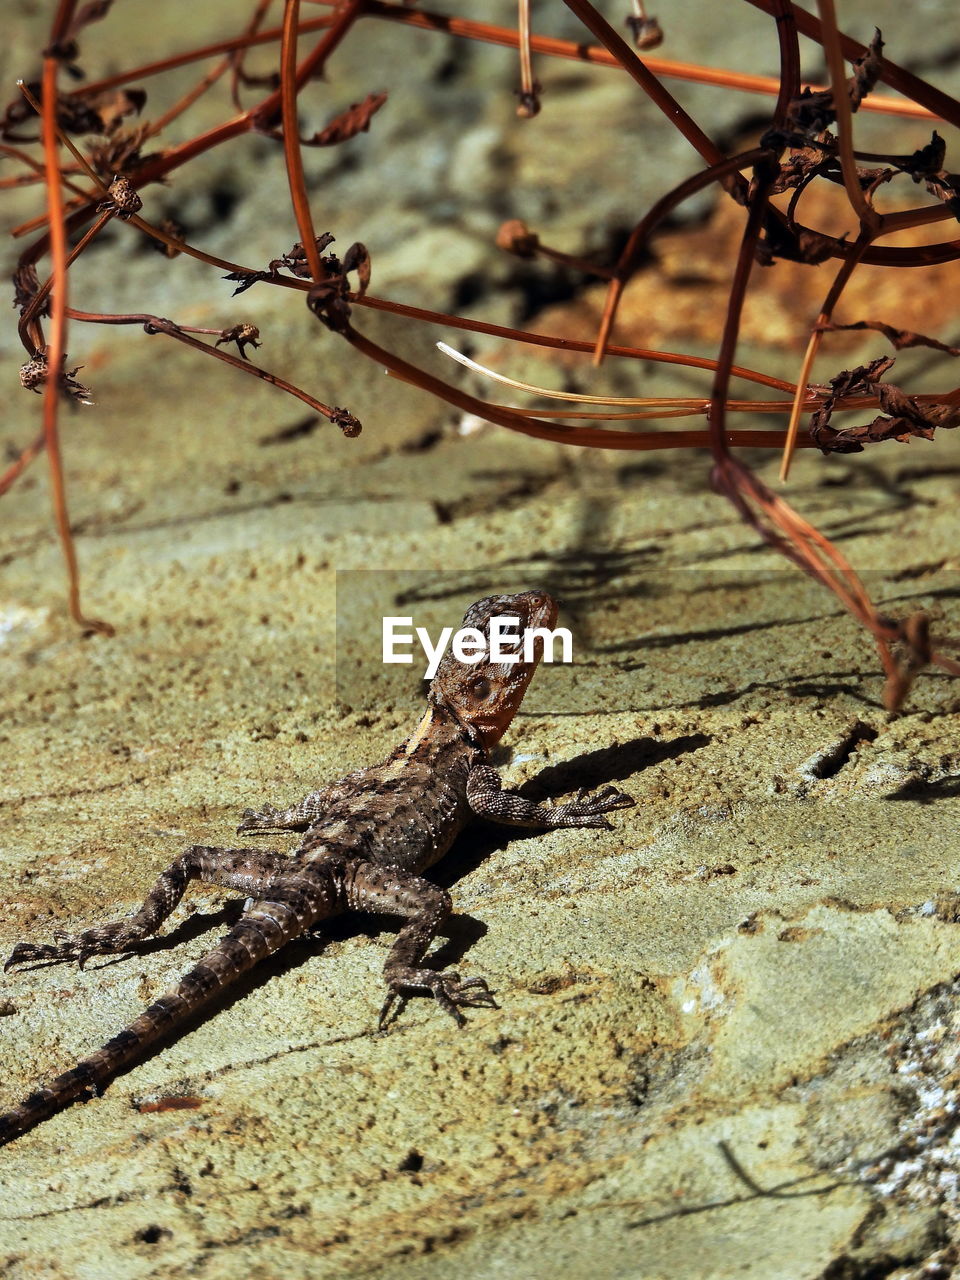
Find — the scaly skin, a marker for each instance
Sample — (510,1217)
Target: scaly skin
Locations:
(367,839)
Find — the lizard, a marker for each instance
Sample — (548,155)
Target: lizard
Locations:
(366,840)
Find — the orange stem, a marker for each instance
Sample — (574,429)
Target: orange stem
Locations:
(291,139)
(57,341)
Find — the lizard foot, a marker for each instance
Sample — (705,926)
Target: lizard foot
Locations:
(586,810)
(448,989)
(34,952)
(259,819)
(107,940)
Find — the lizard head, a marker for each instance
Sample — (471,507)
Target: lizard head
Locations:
(484,695)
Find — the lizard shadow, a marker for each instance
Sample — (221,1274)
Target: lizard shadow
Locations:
(591,770)
(920,791)
(460,932)
(193,926)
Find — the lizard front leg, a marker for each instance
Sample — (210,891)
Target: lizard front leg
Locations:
(298,817)
(392,891)
(487,799)
(249,870)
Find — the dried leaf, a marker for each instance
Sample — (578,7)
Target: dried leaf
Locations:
(928,160)
(328,302)
(898,338)
(121,153)
(866,71)
(112,107)
(356,119)
(77,113)
(812,111)
(793,244)
(26,285)
(927,166)
(801,165)
(903,417)
(247,279)
(295,260)
(861,380)
(357,258)
(946,187)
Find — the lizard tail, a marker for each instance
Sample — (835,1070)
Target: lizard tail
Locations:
(263,930)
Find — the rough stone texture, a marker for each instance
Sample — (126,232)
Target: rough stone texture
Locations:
(726,1041)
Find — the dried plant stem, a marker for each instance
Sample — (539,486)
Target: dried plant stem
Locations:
(157,168)
(29,330)
(731,326)
(22,461)
(189,98)
(529,103)
(685,404)
(634,248)
(940,105)
(291,140)
(157,324)
(237,56)
(647,81)
(597,55)
(841,103)
(57,336)
(782,528)
(563,344)
(259,116)
(522,422)
(813,346)
(238,44)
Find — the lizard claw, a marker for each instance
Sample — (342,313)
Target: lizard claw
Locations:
(27,952)
(586,810)
(108,939)
(257,819)
(448,989)
(251,819)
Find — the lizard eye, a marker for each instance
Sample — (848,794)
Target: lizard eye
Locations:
(480,687)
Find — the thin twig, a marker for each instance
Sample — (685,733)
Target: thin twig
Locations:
(813,346)
(841,104)
(57,337)
(597,55)
(291,140)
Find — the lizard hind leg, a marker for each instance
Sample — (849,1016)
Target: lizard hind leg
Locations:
(392,891)
(249,870)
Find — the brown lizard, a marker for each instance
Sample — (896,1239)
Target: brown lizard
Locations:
(367,839)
